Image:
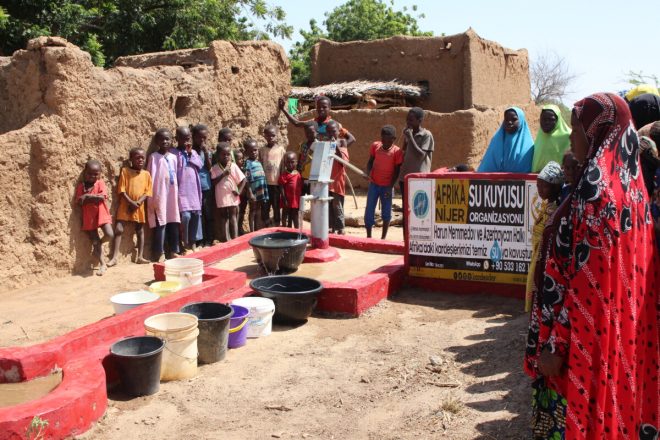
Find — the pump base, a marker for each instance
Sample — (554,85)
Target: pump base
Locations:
(317,255)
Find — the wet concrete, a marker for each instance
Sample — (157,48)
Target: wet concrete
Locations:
(350,265)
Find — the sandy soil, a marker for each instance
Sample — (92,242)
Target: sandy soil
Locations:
(421,365)
(367,378)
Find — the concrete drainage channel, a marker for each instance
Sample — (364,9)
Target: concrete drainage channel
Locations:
(88,369)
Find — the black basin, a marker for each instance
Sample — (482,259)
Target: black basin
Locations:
(279,252)
(294,297)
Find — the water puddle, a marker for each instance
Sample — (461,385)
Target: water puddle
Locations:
(16,393)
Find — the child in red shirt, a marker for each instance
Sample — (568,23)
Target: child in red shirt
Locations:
(385,161)
(92,194)
(291,186)
(338,175)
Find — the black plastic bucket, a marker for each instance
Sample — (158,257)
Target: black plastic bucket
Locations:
(138,361)
(294,297)
(213,327)
(279,252)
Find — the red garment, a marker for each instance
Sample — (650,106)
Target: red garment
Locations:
(338,173)
(292,186)
(94,214)
(597,306)
(385,163)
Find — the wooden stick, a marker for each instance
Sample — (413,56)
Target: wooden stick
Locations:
(350,185)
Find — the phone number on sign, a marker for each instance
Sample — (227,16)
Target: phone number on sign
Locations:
(510,266)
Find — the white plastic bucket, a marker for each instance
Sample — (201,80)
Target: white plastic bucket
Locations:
(122,302)
(260,318)
(179,331)
(187,271)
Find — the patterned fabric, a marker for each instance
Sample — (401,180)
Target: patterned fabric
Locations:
(254,173)
(548,412)
(552,173)
(546,211)
(597,280)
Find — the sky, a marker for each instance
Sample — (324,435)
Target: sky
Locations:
(600,40)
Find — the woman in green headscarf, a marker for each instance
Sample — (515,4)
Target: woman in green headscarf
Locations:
(552,139)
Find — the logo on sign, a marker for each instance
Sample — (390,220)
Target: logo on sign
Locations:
(420,204)
(495,252)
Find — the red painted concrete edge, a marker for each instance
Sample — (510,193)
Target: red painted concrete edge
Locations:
(70,409)
(40,359)
(321,255)
(356,296)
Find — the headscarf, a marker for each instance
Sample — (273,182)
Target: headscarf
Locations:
(598,286)
(552,173)
(510,153)
(640,90)
(645,109)
(649,161)
(551,146)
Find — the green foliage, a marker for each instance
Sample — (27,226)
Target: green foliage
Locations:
(112,28)
(354,20)
(300,54)
(369,20)
(3,17)
(37,429)
(637,78)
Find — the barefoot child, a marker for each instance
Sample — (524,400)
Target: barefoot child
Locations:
(228,181)
(270,156)
(385,161)
(200,135)
(133,189)
(548,183)
(163,205)
(291,188)
(338,175)
(242,207)
(92,194)
(190,189)
(257,186)
(418,146)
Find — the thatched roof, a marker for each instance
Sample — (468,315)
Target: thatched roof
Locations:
(355,90)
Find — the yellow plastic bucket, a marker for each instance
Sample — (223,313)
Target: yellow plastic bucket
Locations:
(165,288)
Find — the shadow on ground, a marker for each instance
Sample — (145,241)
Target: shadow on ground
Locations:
(493,362)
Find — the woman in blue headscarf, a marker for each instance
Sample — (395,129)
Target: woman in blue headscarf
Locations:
(511,150)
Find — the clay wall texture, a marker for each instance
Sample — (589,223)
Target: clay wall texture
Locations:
(460,137)
(462,70)
(57,111)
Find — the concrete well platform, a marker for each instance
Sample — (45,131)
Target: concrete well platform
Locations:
(368,272)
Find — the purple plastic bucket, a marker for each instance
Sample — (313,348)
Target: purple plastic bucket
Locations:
(238,327)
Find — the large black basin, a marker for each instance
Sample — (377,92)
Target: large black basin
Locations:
(280,252)
(294,297)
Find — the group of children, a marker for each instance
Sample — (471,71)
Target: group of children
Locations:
(188,192)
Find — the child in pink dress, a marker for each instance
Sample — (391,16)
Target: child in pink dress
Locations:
(92,194)
(163,205)
(228,181)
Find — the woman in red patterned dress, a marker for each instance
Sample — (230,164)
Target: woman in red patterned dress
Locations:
(592,348)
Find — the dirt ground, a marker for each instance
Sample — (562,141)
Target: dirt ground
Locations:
(420,365)
(367,378)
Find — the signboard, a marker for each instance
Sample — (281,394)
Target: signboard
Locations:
(471,229)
